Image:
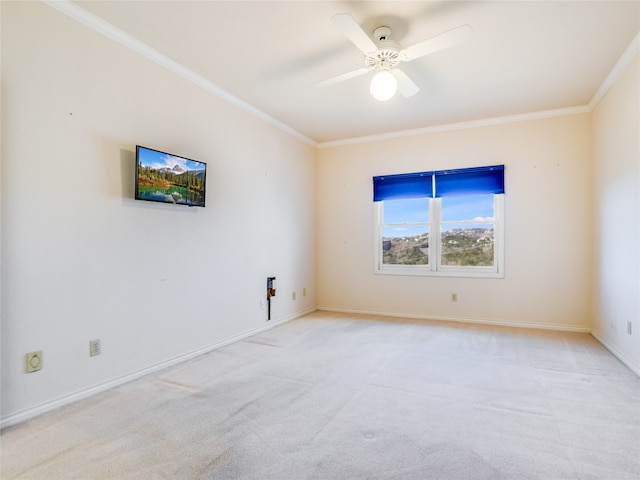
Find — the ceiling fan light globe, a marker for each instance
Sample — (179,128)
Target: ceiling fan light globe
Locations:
(383,85)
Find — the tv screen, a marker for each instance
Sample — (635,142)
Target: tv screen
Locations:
(163,177)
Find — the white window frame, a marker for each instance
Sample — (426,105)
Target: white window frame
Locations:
(434,268)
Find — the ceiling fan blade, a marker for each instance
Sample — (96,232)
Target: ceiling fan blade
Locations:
(405,85)
(354,32)
(343,77)
(437,43)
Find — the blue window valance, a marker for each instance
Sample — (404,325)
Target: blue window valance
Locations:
(442,183)
(405,185)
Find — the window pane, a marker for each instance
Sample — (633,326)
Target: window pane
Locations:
(476,208)
(467,245)
(414,210)
(409,246)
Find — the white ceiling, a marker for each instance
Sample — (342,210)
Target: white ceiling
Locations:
(524,56)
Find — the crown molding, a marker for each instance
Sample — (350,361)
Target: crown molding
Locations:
(619,68)
(99,25)
(616,72)
(108,30)
(521,117)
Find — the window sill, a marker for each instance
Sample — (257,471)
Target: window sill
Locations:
(473,272)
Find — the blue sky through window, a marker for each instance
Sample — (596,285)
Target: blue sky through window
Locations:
(467,208)
(476,208)
(413,210)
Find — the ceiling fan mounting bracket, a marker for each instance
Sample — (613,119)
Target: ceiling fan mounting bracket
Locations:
(382,33)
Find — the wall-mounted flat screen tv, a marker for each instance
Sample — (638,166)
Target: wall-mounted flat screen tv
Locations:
(167,178)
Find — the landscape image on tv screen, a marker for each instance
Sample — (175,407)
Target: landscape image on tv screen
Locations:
(163,177)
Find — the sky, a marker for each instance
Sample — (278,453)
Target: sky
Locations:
(157,160)
(472,208)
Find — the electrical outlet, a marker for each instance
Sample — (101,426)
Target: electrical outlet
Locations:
(34,361)
(293,295)
(304,292)
(454,297)
(94,348)
(262,304)
(629,327)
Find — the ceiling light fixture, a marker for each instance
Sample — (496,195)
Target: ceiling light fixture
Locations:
(383,85)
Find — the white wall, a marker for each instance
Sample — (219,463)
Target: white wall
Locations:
(549,227)
(616,127)
(82,260)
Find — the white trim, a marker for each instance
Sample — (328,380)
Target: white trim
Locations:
(617,71)
(32,412)
(434,267)
(616,353)
(446,318)
(483,321)
(619,68)
(99,25)
(108,30)
(48,406)
(522,117)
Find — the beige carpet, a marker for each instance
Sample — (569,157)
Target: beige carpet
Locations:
(333,396)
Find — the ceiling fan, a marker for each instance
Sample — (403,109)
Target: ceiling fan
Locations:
(383,56)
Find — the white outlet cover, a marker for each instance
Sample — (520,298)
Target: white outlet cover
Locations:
(94,348)
(34,361)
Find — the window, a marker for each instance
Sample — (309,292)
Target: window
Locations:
(447,223)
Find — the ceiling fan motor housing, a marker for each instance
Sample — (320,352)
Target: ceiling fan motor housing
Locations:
(388,54)
(383,59)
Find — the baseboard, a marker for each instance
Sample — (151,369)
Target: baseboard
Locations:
(446,318)
(616,353)
(543,326)
(49,406)
(32,412)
